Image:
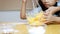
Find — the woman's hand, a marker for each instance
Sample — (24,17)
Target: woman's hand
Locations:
(49,19)
(52,10)
(48,15)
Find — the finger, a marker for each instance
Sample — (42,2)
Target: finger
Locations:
(45,17)
(47,22)
(45,14)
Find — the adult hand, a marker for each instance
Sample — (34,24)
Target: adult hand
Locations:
(52,10)
(48,15)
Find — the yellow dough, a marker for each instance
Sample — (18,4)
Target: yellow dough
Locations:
(37,20)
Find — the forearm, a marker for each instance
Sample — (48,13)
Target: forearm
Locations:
(57,19)
(55,10)
(23,9)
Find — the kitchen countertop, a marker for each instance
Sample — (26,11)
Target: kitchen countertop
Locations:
(53,29)
(21,27)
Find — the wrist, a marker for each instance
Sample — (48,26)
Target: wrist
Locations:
(57,19)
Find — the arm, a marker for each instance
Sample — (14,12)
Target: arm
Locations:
(57,19)
(52,10)
(49,15)
(23,10)
(55,10)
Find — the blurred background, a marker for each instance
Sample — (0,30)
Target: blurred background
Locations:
(10,10)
